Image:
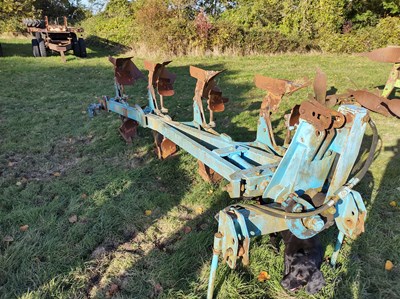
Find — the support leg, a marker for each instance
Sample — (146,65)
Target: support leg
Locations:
(212,122)
(214,264)
(211,280)
(393,80)
(163,109)
(337,248)
(63,56)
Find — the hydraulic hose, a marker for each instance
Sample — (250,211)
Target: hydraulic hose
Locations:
(361,173)
(288,215)
(354,181)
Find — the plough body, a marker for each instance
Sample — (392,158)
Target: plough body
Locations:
(303,185)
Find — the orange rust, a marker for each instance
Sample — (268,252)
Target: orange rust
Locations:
(208,174)
(389,54)
(160,78)
(360,227)
(241,251)
(319,86)
(125,71)
(164,147)
(128,129)
(350,223)
(321,117)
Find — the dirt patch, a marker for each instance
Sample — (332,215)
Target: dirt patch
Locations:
(62,156)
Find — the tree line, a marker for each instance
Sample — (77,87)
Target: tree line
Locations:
(242,26)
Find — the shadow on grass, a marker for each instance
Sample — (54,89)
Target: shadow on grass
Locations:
(106,46)
(16,48)
(116,195)
(365,257)
(395,94)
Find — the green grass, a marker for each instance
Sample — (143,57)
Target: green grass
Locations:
(55,163)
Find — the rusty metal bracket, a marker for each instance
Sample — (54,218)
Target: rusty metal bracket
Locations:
(164,147)
(125,73)
(162,80)
(206,88)
(208,174)
(321,117)
(320,85)
(128,129)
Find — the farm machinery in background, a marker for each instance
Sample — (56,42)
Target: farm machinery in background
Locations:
(55,37)
(302,185)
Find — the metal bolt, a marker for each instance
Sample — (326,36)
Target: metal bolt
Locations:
(316,224)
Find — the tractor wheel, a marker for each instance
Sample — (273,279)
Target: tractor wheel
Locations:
(82,47)
(40,24)
(35,47)
(75,47)
(34,23)
(27,22)
(42,48)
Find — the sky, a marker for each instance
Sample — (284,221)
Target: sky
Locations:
(86,3)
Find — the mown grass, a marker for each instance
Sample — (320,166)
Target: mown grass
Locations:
(57,163)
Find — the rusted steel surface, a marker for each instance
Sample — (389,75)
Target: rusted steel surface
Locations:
(375,103)
(206,88)
(279,87)
(125,71)
(208,174)
(276,89)
(389,54)
(160,78)
(367,99)
(320,116)
(320,85)
(128,129)
(164,147)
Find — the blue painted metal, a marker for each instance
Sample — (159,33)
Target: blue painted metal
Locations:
(338,245)
(298,184)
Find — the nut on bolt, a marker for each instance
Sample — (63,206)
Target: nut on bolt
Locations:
(313,223)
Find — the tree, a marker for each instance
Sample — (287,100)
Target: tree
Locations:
(58,8)
(257,13)
(368,12)
(12,12)
(215,7)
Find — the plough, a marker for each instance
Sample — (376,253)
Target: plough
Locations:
(303,185)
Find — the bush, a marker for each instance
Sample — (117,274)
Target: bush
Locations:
(386,32)
(154,27)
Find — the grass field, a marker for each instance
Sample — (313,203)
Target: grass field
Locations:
(84,193)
